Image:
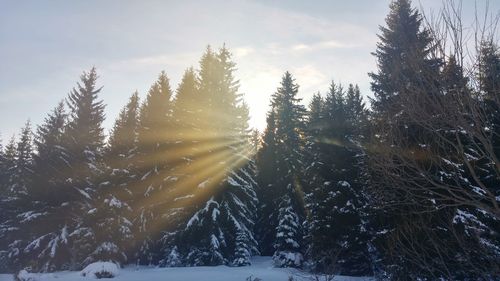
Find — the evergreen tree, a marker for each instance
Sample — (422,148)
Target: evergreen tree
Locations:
(286,185)
(288,236)
(50,159)
(154,141)
(9,156)
(356,113)
(220,231)
(407,71)
(83,141)
(21,175)
(112,217)
(403,58)
(267,163)
(16,201)
(46,248)
(336,232)
(3,168)
(489,69)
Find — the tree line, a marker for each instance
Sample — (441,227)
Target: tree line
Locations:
(406,189)
(166,187)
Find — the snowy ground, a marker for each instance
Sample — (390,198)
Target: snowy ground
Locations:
(261,268)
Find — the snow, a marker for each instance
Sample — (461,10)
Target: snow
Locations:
(184,197)
(24,275)
(262,268)
(84,193)
(113,202)
(94,269)
(204,184)
(30,215)
(233,182)
(148,191)
(286,258)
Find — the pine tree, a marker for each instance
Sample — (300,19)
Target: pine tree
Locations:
(335,227)
(112,218)
(267,164)
(287,183)
(314,166)
(479,229)
(21,176)
(489,69)
(223,196)
(356,112)
(84,142)
(154,140)
(407,71)
(186,117)
(50,161)
(15,202)
(3,176)
(3,168)
(173,258)
(9,160)
(44,250)
(288,236)
(186,112)
(403,58)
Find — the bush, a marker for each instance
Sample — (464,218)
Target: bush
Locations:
(24,275)
(100,270)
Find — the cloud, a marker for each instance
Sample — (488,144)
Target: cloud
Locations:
(311,79)
(323,45)
(181,59)
(241,52)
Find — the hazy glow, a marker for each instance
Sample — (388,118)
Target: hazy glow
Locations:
(44,49)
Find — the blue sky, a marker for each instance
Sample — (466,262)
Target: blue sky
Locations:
(45,46)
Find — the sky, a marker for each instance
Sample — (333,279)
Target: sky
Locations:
(46,45)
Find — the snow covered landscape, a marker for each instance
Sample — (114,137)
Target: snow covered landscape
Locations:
(261,269)
(390,174)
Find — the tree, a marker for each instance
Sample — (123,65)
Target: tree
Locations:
(112,217)
(287,118)
(45,245)
(403,58)
(5,202)
(15,201)
(222,197)
(425,166)
(288,236)
(154,140)
(84,140)
(489,69)
(3,168)
(335,200)
(267,165)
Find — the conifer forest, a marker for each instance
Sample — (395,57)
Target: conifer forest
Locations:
(402,183)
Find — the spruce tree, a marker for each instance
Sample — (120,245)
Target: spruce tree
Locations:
(287,183)
(356,113)
(50,166)
(154,140)
(407,71)
(16,200)
(112,218)
(9,159)
(267,165)
(3,168)
(84,143)
(489,69)
(223,198)
(335,227)
(403,58)
(45,248)
(22,174)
